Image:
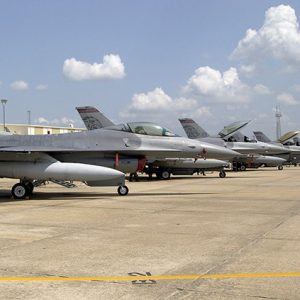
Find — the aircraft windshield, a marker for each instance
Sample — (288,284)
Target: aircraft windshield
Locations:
(149,129)
(119,127)
(145,128)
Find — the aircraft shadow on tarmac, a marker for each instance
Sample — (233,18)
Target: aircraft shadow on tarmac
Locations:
(146,179)
(5,197)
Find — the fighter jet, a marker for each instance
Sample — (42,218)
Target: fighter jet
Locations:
(163,168)
(245,147)
(281,141)
(91,156)
(293,157)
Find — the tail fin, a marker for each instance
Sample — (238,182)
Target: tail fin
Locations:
(261,137)
(192,129)
(93,118)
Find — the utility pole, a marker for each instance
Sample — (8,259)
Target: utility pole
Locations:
(3,101)
(278,115)
(29,117)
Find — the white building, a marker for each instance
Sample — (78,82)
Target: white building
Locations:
(37,129)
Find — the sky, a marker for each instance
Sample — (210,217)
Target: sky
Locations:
(159,60)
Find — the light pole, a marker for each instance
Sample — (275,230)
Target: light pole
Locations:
(3,101)
(29,117)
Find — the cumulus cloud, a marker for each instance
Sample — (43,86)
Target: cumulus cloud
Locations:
(278,38)
(211,85)
(154,100)
(41,87)
(157,102)
(19,85)
(248,70)
(287,99)
(262,89)
(111,68)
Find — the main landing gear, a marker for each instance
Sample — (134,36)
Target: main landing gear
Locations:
(22,190)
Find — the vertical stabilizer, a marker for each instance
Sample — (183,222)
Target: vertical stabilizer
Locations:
(261,137)
(192,129)
(93,118)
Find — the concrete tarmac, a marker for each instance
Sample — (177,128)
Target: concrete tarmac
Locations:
(246,223)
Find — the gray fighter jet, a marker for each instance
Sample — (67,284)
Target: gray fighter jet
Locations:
(293,157)
(163,168)
(91,156)
(250,150)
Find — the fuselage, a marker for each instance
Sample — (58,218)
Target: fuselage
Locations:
(248,147)
(99,147)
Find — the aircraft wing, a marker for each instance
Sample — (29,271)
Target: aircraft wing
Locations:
(150,152)
(26,149)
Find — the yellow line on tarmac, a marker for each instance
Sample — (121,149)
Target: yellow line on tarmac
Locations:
(143,278)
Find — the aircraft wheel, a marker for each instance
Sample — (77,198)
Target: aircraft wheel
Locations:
(165,174)
(222,174)
(19,191)
(280,168)
(123,190)
(243,168)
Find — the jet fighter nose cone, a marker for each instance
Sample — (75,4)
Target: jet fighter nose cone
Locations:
(218,152)
(275,149)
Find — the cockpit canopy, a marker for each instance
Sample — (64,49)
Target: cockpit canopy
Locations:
(232,128)
(146,128)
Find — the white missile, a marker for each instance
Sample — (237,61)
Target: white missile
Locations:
(269,160)
(47,170)
(186,163)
